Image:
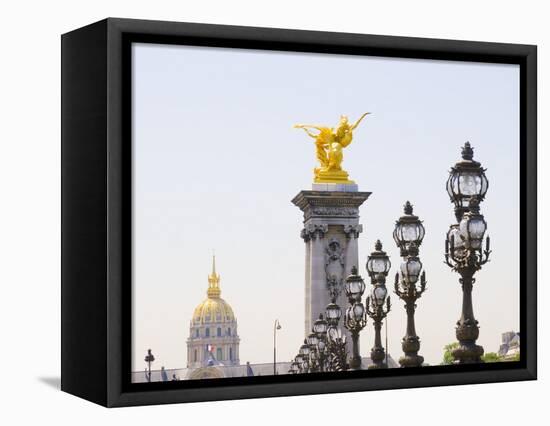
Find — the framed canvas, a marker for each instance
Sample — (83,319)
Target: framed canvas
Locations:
(256,212)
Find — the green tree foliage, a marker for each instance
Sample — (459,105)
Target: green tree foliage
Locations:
(448,357)
(491,357)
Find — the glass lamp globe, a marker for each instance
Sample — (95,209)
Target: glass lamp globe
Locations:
(354,286)
(379,294)
(408,229)
(334,334)
(313,355)
(312,339)
(304,349)
(378,262)
(472,228)
(320,326)
(333,313)
(466,180)
(358,312)
(321,345)
(410,269)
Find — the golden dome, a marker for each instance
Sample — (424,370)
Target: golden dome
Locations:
(213,309)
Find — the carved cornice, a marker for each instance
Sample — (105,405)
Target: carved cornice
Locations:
(306,199)
(325,204)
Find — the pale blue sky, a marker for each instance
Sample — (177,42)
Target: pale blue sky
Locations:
(216,163)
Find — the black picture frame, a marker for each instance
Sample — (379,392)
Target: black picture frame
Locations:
(96,211)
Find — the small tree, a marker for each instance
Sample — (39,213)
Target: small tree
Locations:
(448,357)
(491,357)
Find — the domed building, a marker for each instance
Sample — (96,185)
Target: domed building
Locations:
(213,338)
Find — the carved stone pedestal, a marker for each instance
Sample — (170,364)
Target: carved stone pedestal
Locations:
(411,346)
(331,229)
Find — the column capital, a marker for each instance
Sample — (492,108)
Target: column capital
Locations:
(313,231)
(353,231)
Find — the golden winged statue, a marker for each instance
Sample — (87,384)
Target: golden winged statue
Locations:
(329,147)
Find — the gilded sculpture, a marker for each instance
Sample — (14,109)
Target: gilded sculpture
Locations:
(329,147)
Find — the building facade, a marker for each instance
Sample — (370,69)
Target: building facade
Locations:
(510,345)
(213,337)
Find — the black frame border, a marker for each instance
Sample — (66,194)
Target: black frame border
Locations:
(111,376)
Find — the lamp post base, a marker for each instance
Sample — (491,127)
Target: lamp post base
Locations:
(411,360)
(377,356)
(355,363)
(411,346)
(467,332)
(468,353)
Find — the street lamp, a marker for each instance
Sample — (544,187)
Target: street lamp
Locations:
(333,313)
(304,356)
(336,340)
(355,318)
(408,230)
(378,262)
(312,341)
(378,266)
(298,363)
(463,247)
(149,358)
(466,180)
(276,326)
(405,287)
(320,328)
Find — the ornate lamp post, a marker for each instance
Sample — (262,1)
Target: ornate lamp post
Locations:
(312,341)
(408,291)
(149,358)
(320,329)
(355,318)
(304,356)
(467,186)
(408,235)
(378,266)
(298,363)
(276,326)
(336,341)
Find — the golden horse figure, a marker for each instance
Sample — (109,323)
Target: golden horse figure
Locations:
(329,147)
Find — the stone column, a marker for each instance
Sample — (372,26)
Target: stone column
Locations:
(331,229)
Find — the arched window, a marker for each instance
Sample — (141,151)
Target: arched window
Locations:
(207,332)
(230,354)
(197,333)
(195,356)
(229,331)
(219,332)
(219,354)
